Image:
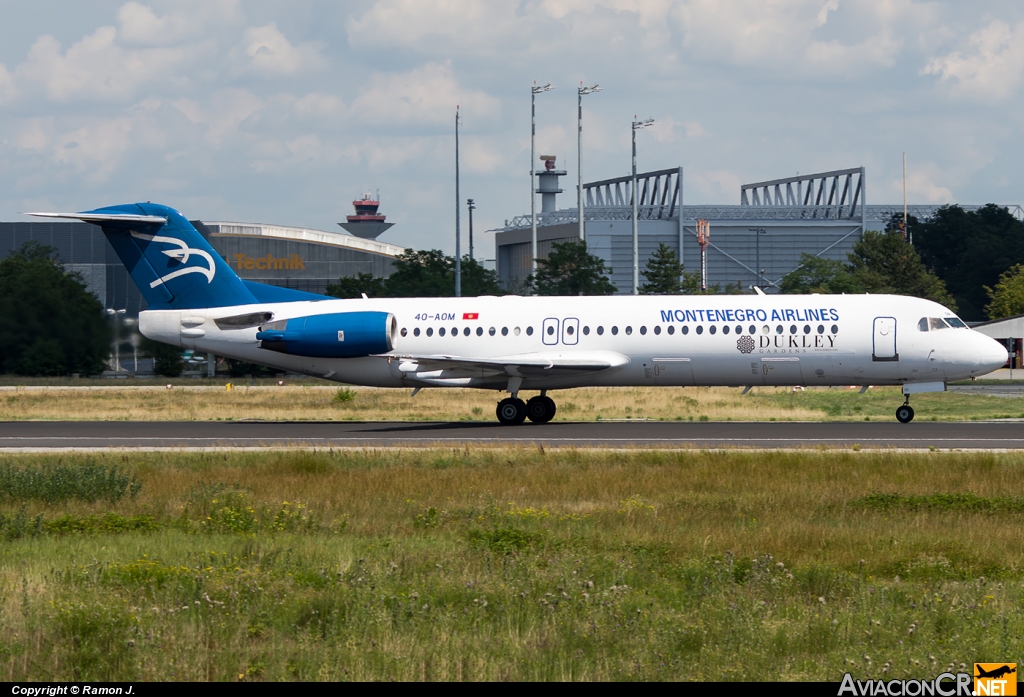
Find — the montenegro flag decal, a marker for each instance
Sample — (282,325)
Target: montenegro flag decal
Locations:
(470,315)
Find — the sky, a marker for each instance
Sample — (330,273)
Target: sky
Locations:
(284,112)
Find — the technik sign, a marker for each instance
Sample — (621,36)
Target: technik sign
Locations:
(242,262)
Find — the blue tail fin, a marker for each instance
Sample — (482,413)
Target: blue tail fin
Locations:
(170,262)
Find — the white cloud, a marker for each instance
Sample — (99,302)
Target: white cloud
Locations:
(425,95)
(94,68)
(141,25)
(266,51)
(993,65)
(830,6)
(224,113)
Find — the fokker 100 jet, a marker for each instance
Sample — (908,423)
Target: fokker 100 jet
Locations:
(515,344)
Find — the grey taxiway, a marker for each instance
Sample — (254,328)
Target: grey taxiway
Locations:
(89,435)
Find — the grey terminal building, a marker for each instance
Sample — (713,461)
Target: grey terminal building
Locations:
(754,243)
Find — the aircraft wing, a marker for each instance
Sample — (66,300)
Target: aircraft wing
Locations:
(524,365)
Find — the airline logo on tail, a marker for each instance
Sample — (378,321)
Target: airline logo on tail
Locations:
(182,254)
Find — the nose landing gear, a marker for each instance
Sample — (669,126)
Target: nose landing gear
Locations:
(905,414)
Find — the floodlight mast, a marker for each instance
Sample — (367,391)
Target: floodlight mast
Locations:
(534,91)
(458,233)
(637,125)
(579,151)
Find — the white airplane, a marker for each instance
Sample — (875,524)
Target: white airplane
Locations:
(514,344)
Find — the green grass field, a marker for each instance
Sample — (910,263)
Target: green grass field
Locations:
(509,564)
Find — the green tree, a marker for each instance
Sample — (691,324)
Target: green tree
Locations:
(167,359)
(53,325)
(1007,299)
(819,275)
(571,270)
(477,280)
(969,250)
(665,274)
(354,287)
(431,274)
(883,262)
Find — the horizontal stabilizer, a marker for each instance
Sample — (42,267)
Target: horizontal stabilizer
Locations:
(101,218)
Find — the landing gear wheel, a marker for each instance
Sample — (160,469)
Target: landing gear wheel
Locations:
(905,414)
(511,411)
(540,409)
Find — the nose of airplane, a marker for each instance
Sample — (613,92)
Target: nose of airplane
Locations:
(991,355)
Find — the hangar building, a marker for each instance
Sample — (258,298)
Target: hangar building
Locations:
(823,214)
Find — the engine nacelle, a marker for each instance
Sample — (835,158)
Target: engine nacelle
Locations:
(335,335)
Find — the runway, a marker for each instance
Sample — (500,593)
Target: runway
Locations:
(162,435)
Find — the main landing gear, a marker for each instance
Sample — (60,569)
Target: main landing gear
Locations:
(905,414)
(512,411)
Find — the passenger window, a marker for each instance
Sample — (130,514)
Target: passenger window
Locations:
(586,331)
(766,329)
(922,324)
(700,329)
(416,331)
(657,330)
(405,332)
(430,331)
(491,331)
(792,329)
(516,331)
(551,330)
(821,329)
(753,329)
(600,330)
(504,331)
(569,330)
(440,332)
(479,331)
(615,331)
(629,330)
(807,329)
(725,329)
(529,331)
(455,331)
(835,328)
(671,330)
(643,331)
(779,329)
(465,332)
(712,329)
(739,329)
(686,329)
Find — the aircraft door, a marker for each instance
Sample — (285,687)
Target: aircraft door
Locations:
(884,340)
(549,331)
(570,331)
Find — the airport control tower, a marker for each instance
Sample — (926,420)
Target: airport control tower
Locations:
(367,222)
(547,185)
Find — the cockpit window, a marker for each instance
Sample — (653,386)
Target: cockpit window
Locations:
(936,323)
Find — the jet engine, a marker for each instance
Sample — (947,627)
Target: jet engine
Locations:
(334,335)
